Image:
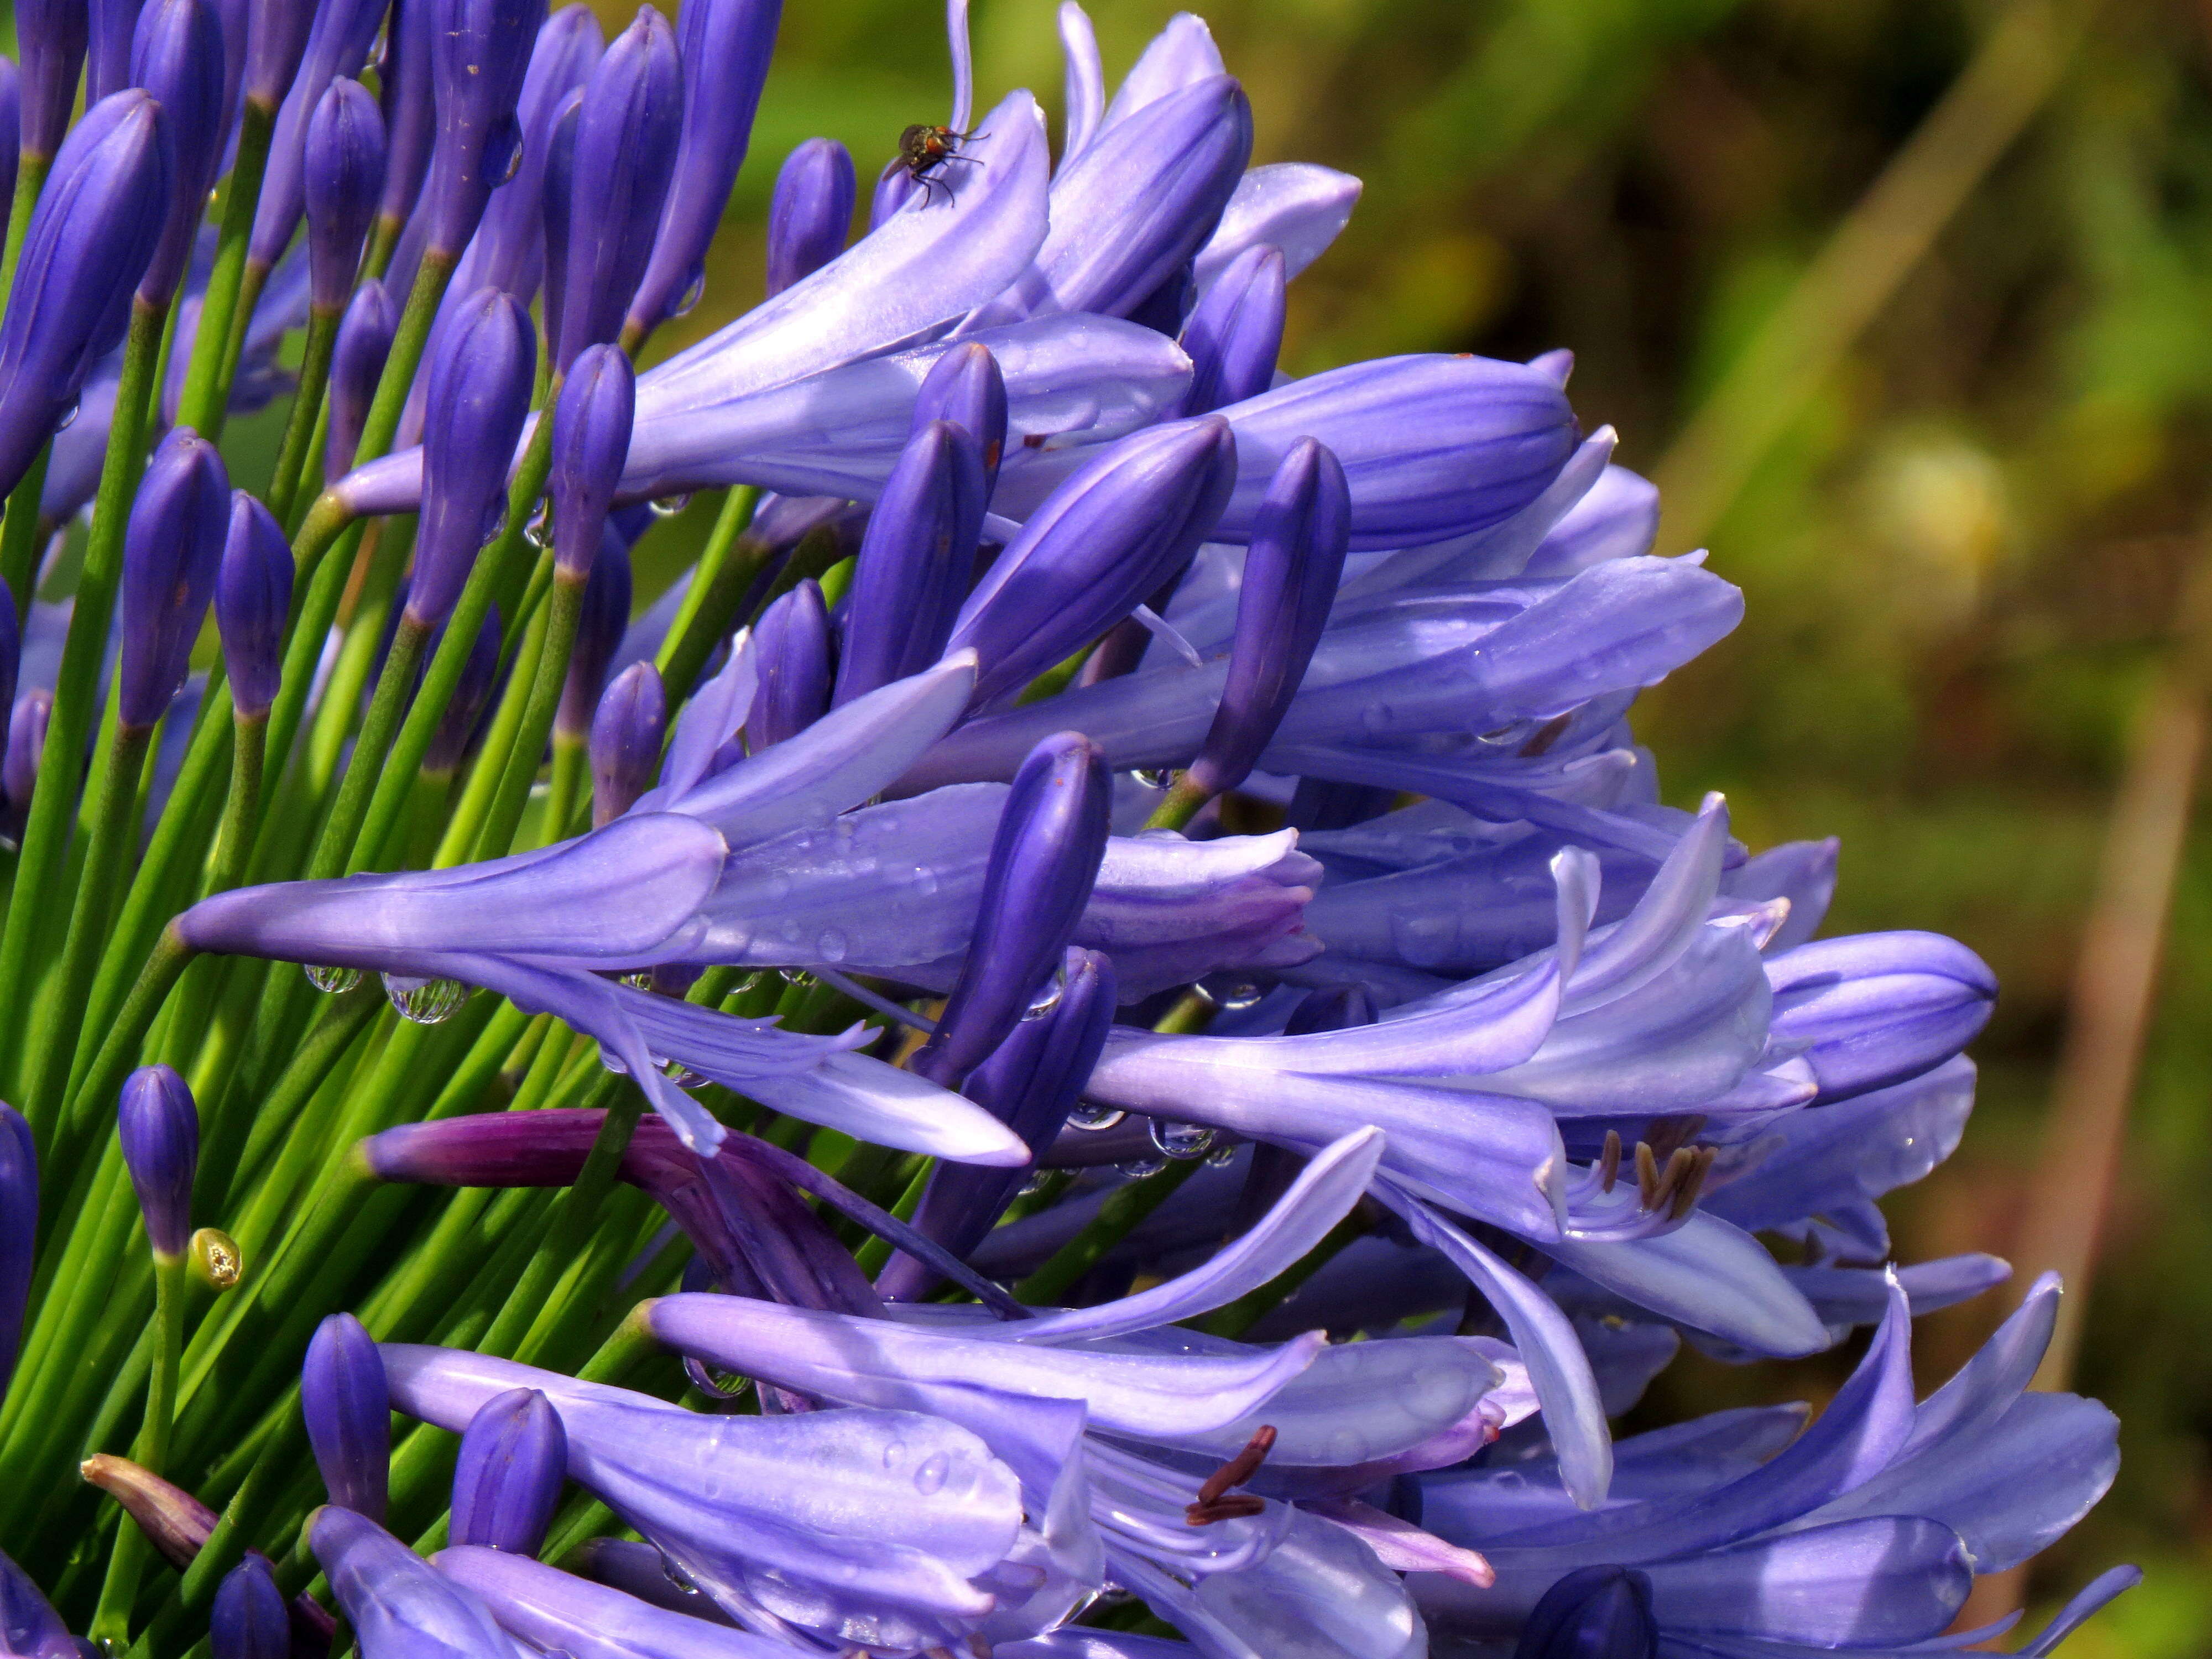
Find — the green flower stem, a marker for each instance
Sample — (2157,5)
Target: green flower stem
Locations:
(1117,1218)
(1247,1310)
(727,567)
(570,784)
(466,828)
(374,586)
(114,832)
(30,171)
(371,749)
(319,585)
(1183,802)
(23,534)
(388,804)
(111,1624)
(44,851)
(293,459)
(167,959)
(207,388)
(521,1327)
(513,797)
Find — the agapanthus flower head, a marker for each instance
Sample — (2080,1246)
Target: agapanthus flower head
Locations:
(249,1619)
(172,550)
(159,1129)
(479,394)
(347,1405)
(513,1459)
(625,158)
(88,244)
(810,211)
(253,598)
(344,177)
(50,44)
(176,55)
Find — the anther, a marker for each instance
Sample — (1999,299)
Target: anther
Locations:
(1608,1166)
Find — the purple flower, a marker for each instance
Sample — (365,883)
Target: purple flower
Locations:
(793,649)
(107,60)
(357,364)
(159,1129)
(556,1610)
(249,1619)
(514,1456)
(252,597)
(88,244)
(1044,860)
(28,1625)
(50,39)
(725,46)
(177,57)
(479,394)
(1234,332)
(172,549)
(410,117)
(344,174)
(627,130)
(916,559)
(625,744)
(1874,1009)
(810,213)
(345,1399)
(275,40)
(337,46)
(599,635)
(1294,206)
(26,741)
(1109,536)
(590,439)
(18,1228)
(398,1605)
(480,51)
(1290,581)
(966,388)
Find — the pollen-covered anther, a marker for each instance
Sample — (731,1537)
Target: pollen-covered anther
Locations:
(1216,1500)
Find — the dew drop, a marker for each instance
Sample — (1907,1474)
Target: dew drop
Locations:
(1139,1168)
(334,980)
(1094,1117)
(929,1477)
(425,1001)
(793,975)
(68,419)
(1233,992)
(684,1077)
(641,981)
(1049,995)
(1153,777)
(831,946)
(1222,1157)
(690,296)
(895,1453)
(1182,1141)
(667,506)
(1035,1184)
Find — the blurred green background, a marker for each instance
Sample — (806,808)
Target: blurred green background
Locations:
(1963,543)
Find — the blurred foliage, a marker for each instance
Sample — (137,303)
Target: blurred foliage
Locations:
(1961,560)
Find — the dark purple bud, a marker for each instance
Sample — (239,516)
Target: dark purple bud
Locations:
(916,561)
(559,192)
(252,596)
(1113,534)
(159,1128)
(1291,573)
(11,136)
(1236,333)
(811,214)
(479,52)
(345,174)
(174,1521)
(514,1455)
(792,648)
(626,733)
(1030,1083)
(107,56)
(337,45)
(19,1233)
(1044,859)
(1594,1613)
(726,45)
(231,14)
(625,158)
(26,741)
(400,1606)
(178,60)
(590,441)
(411,119)
(88,244)
(479,396)
(28,1624)
(357,364)
(50,41)
(599,631)
(249,1619)
(464,710)
(347,1405)
(965,387)
(275,39)
(172,548)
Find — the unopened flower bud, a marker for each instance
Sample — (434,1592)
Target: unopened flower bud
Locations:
(1593,1613)
(347,1405)
(275,39)
(810,213)
(252,596)
(479,53)
(479,396)
(249,1619)
(790,648)
(216,1261)
(357,364)
(344,177)
(160,1128)
(916,561)
(172,548)
(1235,334)
(174,1521)
(590,441)
(19,1232)
(26,741)
(338,41)
(626,734)
(411,119)
(966,388)
(177,57)
(514,1458)
(49,41)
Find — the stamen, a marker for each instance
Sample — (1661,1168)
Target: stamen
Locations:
(1693,1181)
(1238,1506)
(1239,1469)
(1647,1175)
(1608,1166)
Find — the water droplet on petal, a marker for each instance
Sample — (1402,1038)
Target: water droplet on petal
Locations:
(1232,993)
(333,980)
(1222,1157)
(1089,1116)
(68,419)
(425,1001)
(1153,777)
(929,1478)
(641,981)
(690,297)
(1035,1184)
(831,946)
(1182,1141)
(1139,1168)
(667,506)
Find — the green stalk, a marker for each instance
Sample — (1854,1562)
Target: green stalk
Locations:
(292,459)
(394,688)
(44,850)
(726,570)
(1182,803)
(114,832)
(21,535)
(521,1325)
(537,723)
(207,388)
(1117,1218)
(570,784)
(111,1625)
(117,1054)
(466,828)
(30,171)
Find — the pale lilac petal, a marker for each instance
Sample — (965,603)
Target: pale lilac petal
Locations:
(1709,1276)
(1296,206)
